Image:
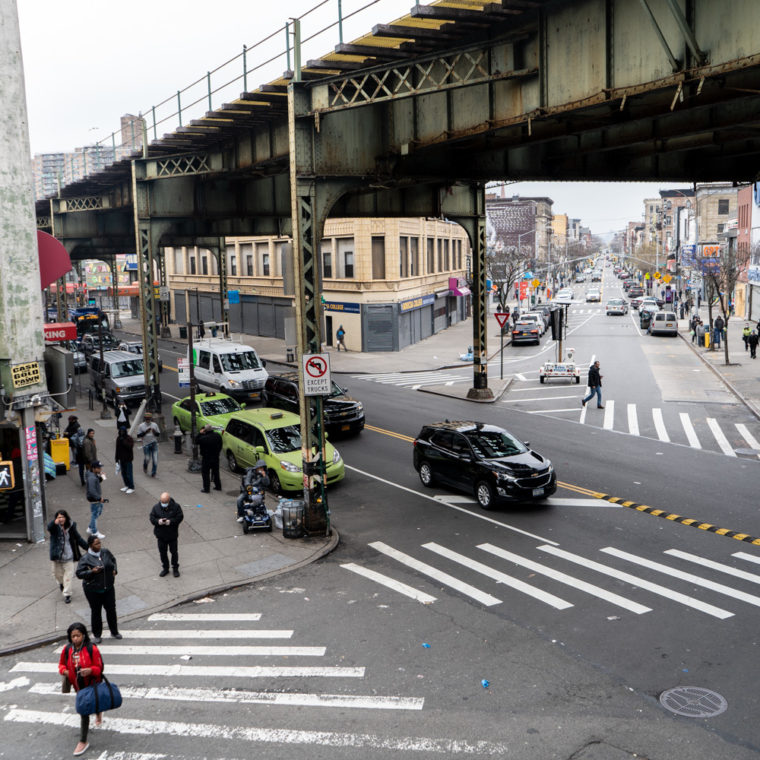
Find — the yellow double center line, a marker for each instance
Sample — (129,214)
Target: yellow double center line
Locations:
(618,501)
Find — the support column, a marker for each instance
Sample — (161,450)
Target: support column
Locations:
(307,231)
(147,234)
(163,282)
(221,258)
(476,227)
(115,291)
(23,386)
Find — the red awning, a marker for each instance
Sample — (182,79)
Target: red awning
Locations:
(54,259)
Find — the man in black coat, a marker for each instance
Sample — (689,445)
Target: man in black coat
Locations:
(210,447)
(594,386)
(166,516)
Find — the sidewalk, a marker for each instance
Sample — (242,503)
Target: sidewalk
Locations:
(214,554)
(742,375)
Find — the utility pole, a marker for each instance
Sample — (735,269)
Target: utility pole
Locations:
(193,464)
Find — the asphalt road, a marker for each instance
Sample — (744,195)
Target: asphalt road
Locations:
(578,613)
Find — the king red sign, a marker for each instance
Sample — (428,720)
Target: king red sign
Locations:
(55,332)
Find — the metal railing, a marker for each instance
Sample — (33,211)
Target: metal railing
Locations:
(219,85)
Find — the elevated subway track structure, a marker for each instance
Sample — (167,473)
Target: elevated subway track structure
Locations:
(414,118)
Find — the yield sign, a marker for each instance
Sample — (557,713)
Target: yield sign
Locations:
(501,318)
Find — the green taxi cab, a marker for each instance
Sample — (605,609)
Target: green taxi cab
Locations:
(210,409)
(274,436)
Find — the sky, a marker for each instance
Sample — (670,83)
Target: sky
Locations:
(88,62)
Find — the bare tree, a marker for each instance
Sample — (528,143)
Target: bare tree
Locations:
(505,267)
(721,274)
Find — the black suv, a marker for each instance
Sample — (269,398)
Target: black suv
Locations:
(482,459)
(343,414)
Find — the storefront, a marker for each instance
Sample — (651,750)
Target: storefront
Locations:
(753,293)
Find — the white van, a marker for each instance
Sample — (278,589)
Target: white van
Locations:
(232,368)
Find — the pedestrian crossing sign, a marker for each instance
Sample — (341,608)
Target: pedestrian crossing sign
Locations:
(6,476)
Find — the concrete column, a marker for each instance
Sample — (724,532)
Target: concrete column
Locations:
(22,368)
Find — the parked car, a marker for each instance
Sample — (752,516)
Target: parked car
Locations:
(342,413)
(636,302)
(119,376)
(484,460)
(80,360)
(136,347)
(664,323)
(526,332)
(91,343)
(546,310)
(538,318)
(232,368)
(616,306)
(274,436)
(635,291)
(210,409)
(593,294)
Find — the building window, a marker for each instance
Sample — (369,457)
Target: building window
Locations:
(281,250)
(430,255)
(459,254)
(414,256)
(403,257)
(345,257)
(232,262)
(265,264)
(327,268)
(440,255)
(193,268)
(249,264)
(723,205)
(204,264)
(446,261)
(262,250)
(378,258)
(720,228)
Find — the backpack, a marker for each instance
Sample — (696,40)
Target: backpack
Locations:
(77,440)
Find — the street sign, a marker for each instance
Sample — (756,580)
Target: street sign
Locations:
(163,292)
(183,372)
(657,275)
(501,318)
(58,331)
(6,476)
(535,283)
(233,296)
(316,375)
(667,278)
(646,275)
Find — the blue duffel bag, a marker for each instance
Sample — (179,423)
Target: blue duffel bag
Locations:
(98,697)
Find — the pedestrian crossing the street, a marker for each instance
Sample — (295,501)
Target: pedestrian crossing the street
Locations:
(166,664)
(560,579)
(694,428)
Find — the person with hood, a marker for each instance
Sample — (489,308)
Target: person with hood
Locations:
(90,448)
(75,434)
(210,447)
(97,571)
(166,516)
(124,456)
(81,665)
(65,543)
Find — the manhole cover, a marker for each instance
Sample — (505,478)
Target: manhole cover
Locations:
(693,702)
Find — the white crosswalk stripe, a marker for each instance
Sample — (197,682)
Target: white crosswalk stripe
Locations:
(384,580)
(725,446)
(688,428)
(633,421)
(467,565)
(697,432)
(414,380)
(438,575)
(659,425)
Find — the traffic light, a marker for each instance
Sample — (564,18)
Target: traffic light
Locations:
(558,318)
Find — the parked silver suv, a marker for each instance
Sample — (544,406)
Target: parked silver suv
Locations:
(120,375)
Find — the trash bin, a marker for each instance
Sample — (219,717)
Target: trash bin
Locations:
(707,339)
(183,332)
(59,451)
(293,511)
(290,354)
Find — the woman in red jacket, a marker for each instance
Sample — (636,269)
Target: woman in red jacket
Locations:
(82,664)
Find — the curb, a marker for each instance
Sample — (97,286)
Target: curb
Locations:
(493,400)
(743,399)
(53,638)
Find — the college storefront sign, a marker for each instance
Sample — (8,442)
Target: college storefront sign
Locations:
(416,303)
(342,306)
